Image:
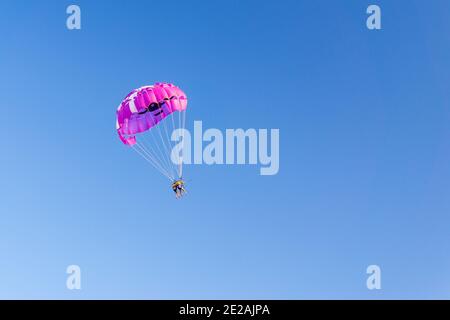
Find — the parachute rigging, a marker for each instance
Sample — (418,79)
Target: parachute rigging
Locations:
(143,124)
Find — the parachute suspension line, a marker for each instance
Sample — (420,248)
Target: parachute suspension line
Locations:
(157,155)
(180,160)
(158,129)
(157,159)
(172,165)
(149,156)
(163,156)
(180,170)
(173,122)
(172,116)
(147,144)
(166,147)
(163,172)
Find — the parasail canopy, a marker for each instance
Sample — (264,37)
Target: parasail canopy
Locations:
(145,118)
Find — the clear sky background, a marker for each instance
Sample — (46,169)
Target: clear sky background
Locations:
(364,150)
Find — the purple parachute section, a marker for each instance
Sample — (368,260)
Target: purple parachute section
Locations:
(145,107)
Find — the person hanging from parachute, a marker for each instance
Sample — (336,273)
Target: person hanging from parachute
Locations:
(144,115)
(178,188)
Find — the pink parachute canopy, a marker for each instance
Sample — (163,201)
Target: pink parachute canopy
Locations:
(145,107)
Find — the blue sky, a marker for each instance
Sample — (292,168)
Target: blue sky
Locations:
(364,150)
